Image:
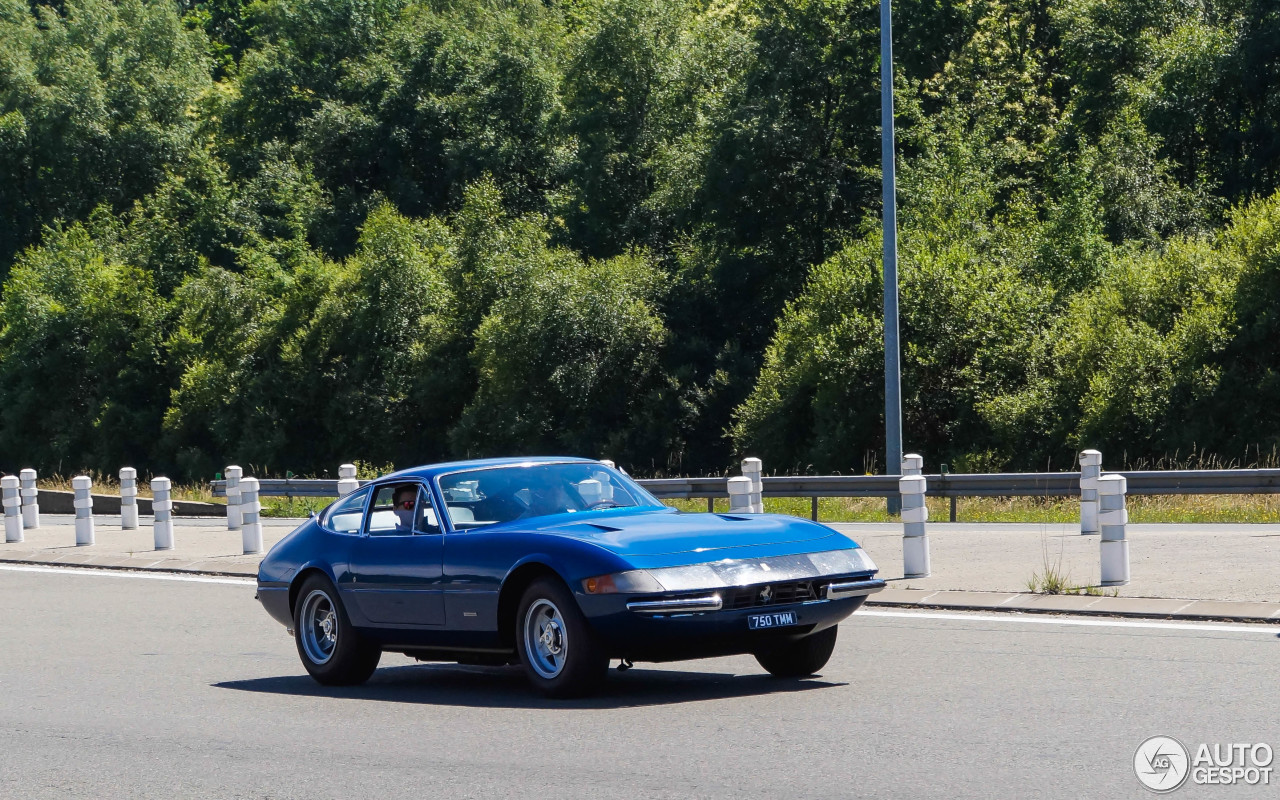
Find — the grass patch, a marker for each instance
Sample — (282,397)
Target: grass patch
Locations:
(1154,508)
(293,506)
(1053,579)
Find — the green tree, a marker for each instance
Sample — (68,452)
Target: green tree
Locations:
(96,101)
(566,360)
(83,383)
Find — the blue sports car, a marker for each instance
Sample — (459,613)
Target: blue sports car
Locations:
(560,564)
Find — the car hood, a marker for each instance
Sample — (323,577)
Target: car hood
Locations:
(660,533)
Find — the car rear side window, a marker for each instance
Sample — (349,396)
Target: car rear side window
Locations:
(346,515)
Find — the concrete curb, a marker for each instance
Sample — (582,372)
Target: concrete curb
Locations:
(1080,605)
(126,565)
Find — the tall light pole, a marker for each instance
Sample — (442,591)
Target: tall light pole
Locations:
(892,372)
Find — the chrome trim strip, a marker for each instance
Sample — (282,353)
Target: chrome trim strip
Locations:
(839,591)
(677,605)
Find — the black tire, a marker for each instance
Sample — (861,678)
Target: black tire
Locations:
(333,652)
(798,659)
(570,661)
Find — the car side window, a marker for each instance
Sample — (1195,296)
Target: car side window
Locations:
(402,509)
(346,515)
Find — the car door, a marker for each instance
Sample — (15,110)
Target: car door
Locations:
(396,571)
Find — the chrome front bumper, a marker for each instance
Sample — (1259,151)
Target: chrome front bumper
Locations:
(713,602)
(839,591)
(677,605)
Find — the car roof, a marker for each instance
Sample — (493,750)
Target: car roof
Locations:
(432,470)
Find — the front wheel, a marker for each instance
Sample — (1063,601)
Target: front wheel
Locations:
(333,652)
(801,658)
(557,647)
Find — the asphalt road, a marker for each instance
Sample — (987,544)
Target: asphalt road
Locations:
(130,687)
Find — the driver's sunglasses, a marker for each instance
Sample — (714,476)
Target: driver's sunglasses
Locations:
(407,505)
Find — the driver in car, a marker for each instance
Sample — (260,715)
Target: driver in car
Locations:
(548,498)
(404,504)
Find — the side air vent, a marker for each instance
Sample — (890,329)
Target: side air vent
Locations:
(587,527)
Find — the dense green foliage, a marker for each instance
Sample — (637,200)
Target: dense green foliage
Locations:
(290,233)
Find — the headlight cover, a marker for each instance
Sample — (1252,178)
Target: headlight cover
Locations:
(636,581)
(732,572)
(745,572)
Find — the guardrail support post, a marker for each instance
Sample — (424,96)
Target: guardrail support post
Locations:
(129,498)
(30,499)
(234,474)
(915,541)
(1090,469)
(82,485)
(12,501)
(162,509)
(751,468)
(250,525)
(1112,518)
(347,482)
(740,495)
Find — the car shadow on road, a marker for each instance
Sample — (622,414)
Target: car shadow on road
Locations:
(506,687)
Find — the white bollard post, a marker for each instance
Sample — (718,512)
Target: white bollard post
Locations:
(1112,518)
(912,464)
(606,485)
(82,486)
(739,495)
(591,491)
(751,468)
(1090,469)
(347,482)
(915,540)
(234,474)
(30,499)
(9,486)
(129,498)
(250,525)
(162,511)
(608,463)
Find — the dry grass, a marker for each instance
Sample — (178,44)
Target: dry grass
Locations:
(1154,508)
(110,484)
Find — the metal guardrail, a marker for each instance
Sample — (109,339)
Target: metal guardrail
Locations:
(288,487)
(1006,484)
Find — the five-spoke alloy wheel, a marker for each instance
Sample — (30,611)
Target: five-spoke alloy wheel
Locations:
(557,647)
(334,653)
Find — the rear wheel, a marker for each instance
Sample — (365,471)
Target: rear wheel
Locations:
(557,647)
(333,652)
(801,658)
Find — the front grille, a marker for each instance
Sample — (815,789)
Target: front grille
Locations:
(772,594)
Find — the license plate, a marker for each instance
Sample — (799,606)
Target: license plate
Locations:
(778,619)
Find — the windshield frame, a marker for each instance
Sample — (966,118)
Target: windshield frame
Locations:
(645,500)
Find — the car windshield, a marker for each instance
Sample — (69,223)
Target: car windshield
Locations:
(489,496)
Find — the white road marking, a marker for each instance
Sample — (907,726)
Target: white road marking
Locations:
(125,573)
(1036,619)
